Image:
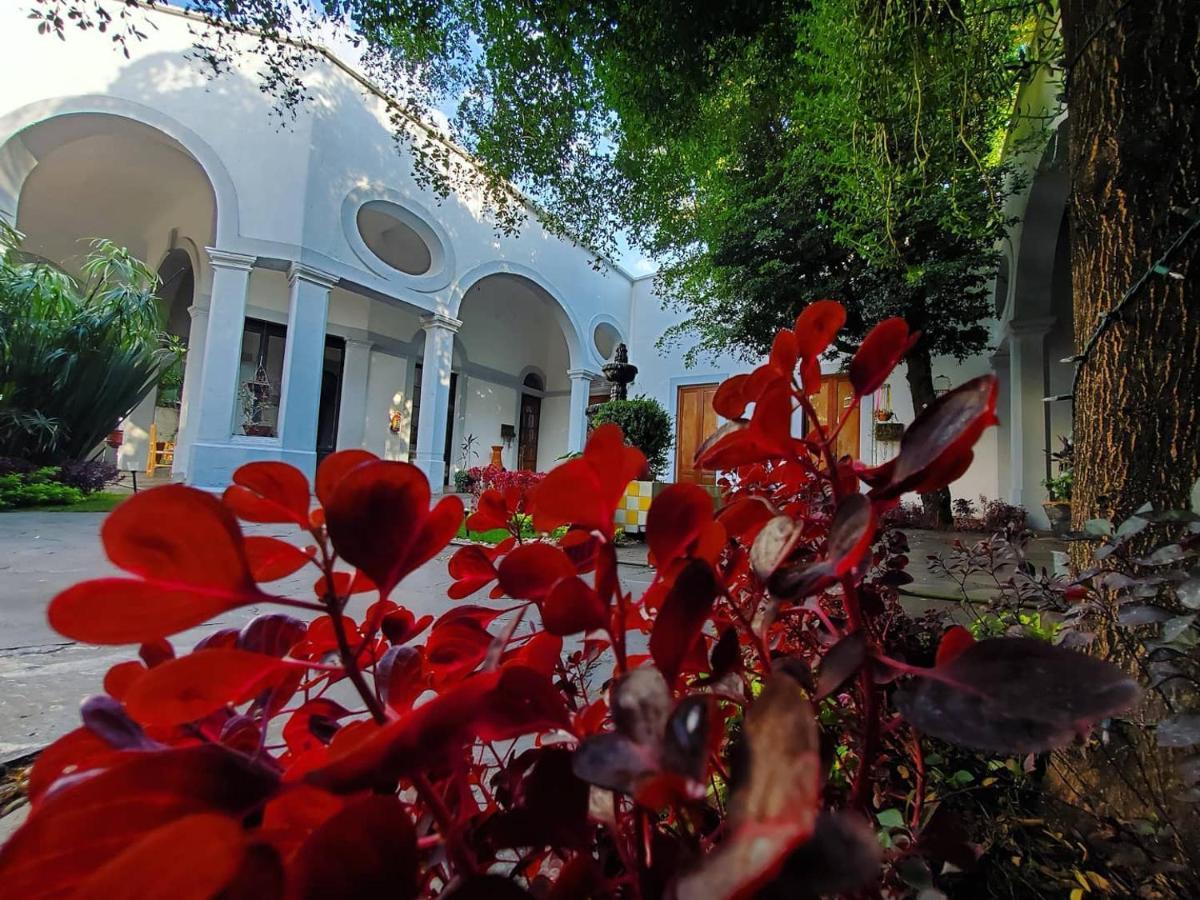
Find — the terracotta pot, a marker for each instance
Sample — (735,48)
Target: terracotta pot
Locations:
(497,461)
(115,438)
(1059,514)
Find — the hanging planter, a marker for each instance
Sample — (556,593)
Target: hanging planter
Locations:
(889,432)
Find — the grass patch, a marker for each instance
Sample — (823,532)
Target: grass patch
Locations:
(496,535)
(102,501)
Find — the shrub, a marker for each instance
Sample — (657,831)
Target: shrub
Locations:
(1000,515)
(89,475)
(484,755)
(496,478)
(75,356)
(36,488)
(646,425)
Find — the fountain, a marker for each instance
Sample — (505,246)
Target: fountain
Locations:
(619,372)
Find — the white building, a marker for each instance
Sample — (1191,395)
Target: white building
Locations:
(304,256)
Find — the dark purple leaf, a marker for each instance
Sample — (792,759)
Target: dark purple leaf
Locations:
(106,718)
(613,761)
(773,544)
(1181,731)
(1015,695)
(685,744)
(640,702)
(842,857)
(840,663)
(273,634)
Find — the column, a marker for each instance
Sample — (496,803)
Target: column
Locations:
(214,398)
(356,371)
(435,396)
(1028,461)
(581,390)
(999,361)
(303,364)
(193,366)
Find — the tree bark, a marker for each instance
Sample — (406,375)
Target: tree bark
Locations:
(919,373)
(1133,97)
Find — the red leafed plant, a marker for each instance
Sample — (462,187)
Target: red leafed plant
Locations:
(722,734)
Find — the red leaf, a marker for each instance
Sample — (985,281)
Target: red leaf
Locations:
(335,467)
(120,677)
(78,827)
(953,642)
(730,401)
(571,606)
(187,573)
(192,858)
(367,849)
(455,648)
(490,512)
(541,653)
(936,448)
(400,677)
(380,521)
(682,616)
(269,492)
(880,352)
(676,519)
(817,325)
(271,559)
(471,568)
(191,687)
(785,350)
(76,751)
(850,533)
(313,725)
(531,570)
(585,491)
(523,701)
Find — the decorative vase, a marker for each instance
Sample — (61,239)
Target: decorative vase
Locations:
(1059,514)
(115,438)
(497,461)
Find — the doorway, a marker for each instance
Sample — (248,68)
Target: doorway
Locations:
(331,396)
(527,440)
(695,420)
(831,402)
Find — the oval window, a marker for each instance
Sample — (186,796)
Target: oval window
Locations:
(605,338)
(393,240)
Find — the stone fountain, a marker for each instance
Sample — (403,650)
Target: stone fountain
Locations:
(619,372)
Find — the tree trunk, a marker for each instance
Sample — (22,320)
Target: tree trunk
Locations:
(919,372)
(1134,106)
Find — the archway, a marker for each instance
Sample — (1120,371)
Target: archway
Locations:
(521,344)
(95,175)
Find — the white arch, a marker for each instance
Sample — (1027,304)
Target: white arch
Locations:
(579,350)
(16,162)
(1033,262)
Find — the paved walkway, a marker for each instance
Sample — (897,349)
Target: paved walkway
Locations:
(43,676)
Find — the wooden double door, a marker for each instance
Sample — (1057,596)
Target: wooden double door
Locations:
(695,420)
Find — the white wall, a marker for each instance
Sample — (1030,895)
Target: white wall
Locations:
(386,391)
(488,406)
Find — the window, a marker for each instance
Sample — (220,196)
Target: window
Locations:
(260,375)
(534,380)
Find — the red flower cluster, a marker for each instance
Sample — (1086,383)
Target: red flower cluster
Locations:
(573,740)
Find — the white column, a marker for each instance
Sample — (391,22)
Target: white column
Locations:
(189,396)
(356,372)
(303,364)
(1027,460)
(581,390)
(1000,362)
(214,399)
(435,396)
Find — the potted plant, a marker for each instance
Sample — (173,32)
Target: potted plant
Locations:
(1058,489)
(889,432)
(257,397)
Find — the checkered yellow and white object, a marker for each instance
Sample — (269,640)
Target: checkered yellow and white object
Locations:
(631,514)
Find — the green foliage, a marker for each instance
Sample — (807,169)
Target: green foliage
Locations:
(1060,486)
(647,426)
(76,355)
(37,488)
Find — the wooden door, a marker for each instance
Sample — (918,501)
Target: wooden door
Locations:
(527,442)
(835,397)
(695,420)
